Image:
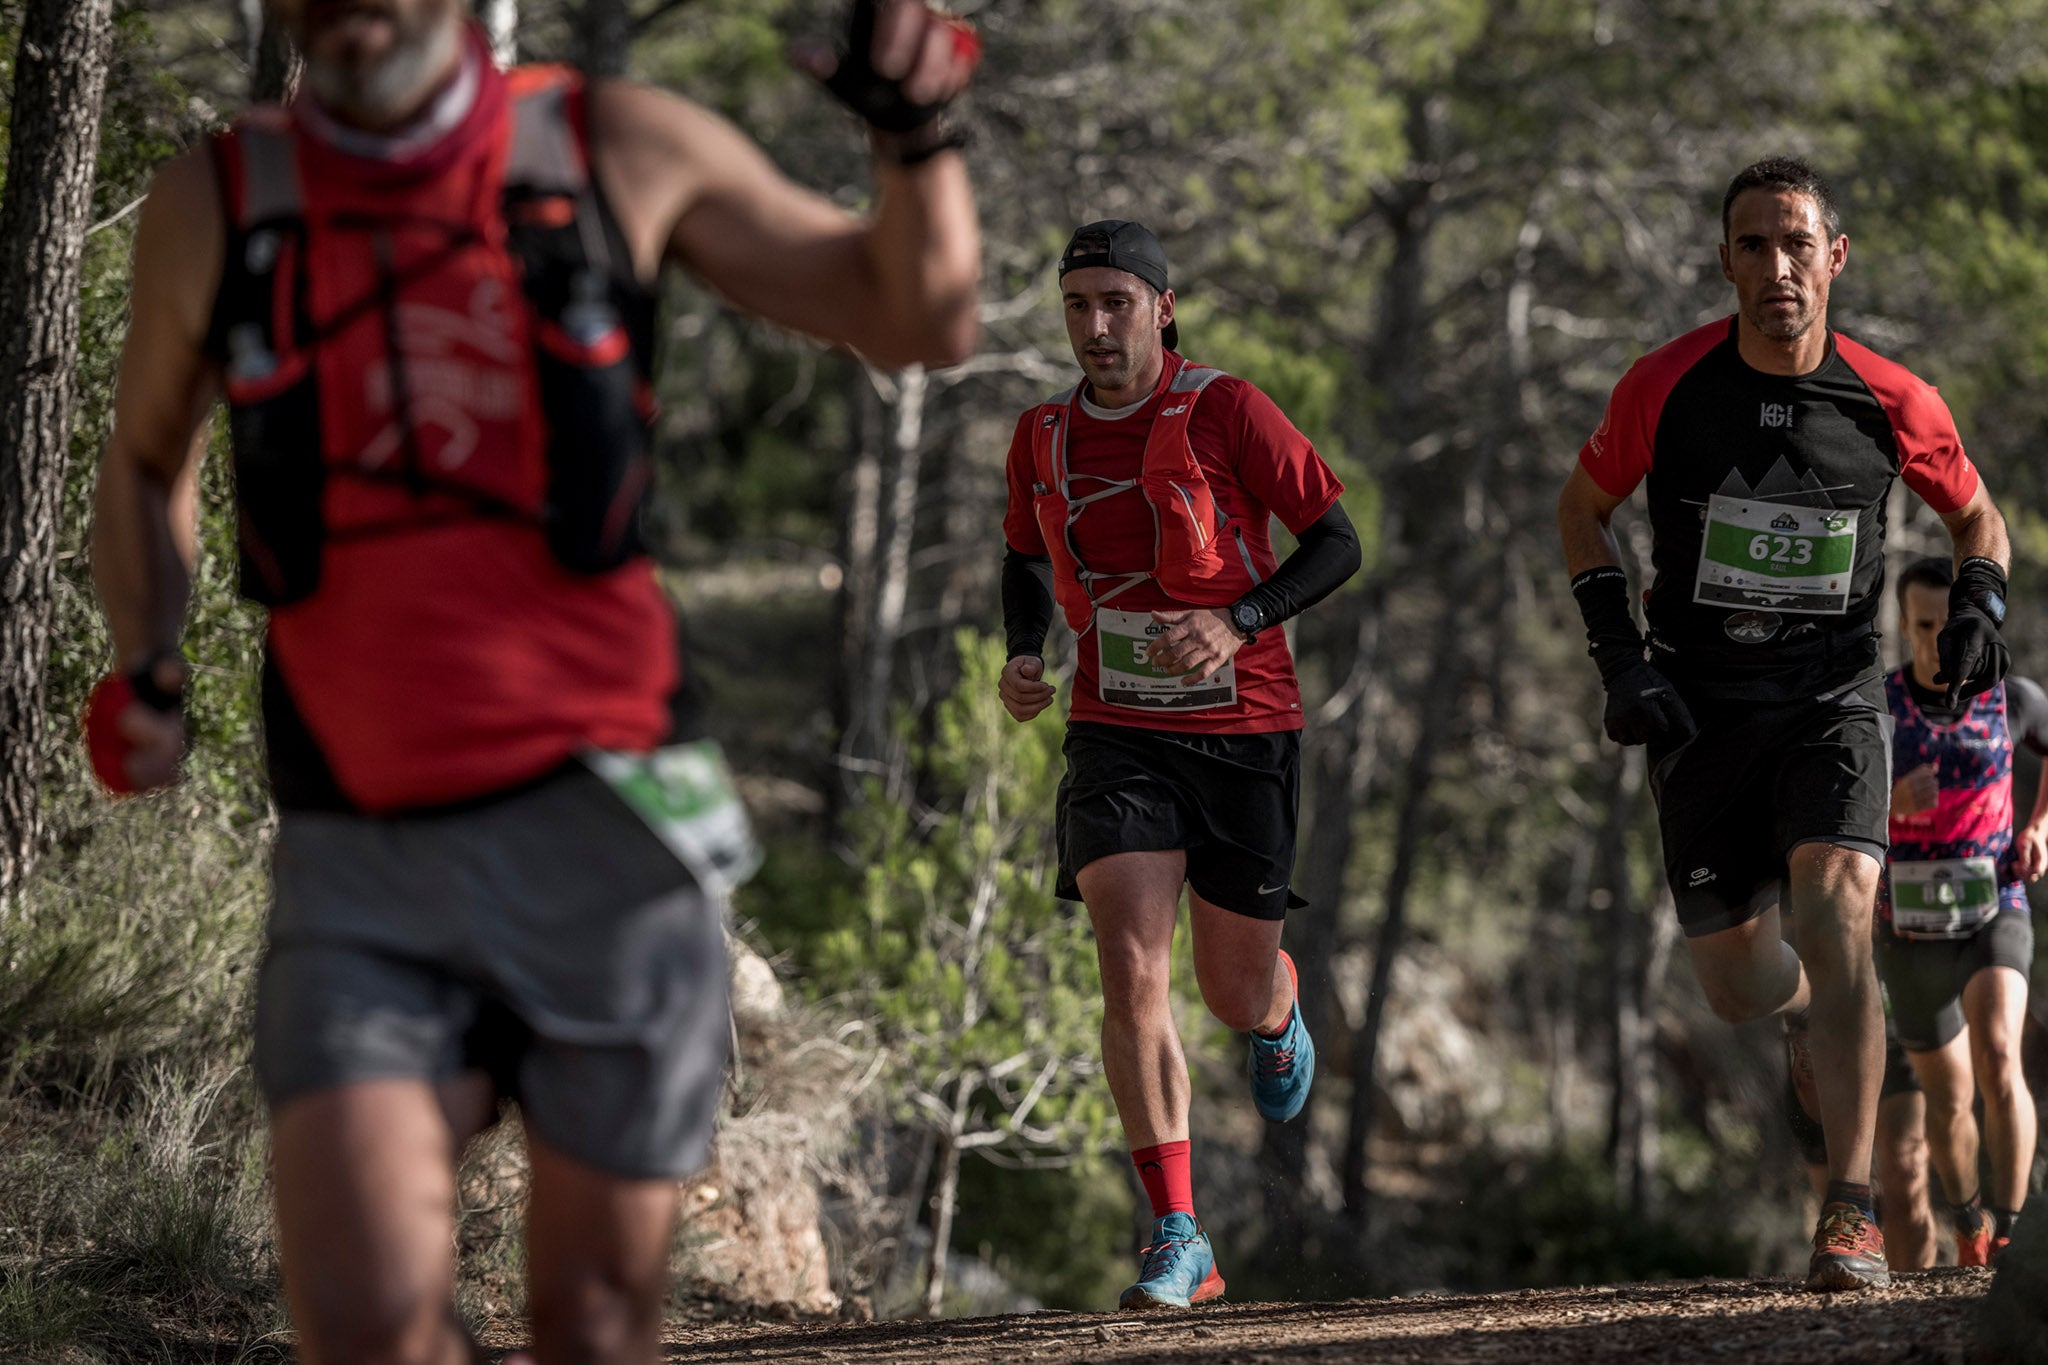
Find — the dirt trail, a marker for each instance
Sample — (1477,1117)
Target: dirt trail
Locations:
(1927,1317)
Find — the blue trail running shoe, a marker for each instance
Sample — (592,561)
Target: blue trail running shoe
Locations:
(1179,1268)
(1283,1068)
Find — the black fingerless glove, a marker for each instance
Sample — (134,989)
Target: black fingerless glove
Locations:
(1642,705)
(912,132)
(1973,654)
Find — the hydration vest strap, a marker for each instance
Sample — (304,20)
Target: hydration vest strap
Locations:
(270,176)
(546,156)
(1193,379)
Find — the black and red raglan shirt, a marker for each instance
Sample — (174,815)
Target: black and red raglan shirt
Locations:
(1767,503)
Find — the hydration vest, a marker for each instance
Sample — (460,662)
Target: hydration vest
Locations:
(1199,555)
(542,423)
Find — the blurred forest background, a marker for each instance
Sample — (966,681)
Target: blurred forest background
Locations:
(1436,232)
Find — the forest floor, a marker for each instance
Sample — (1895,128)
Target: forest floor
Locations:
(1927,1318)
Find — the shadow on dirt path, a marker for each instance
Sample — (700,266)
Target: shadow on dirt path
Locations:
(1926,1318)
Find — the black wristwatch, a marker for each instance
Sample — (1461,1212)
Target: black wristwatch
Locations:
(1247,620)
(1982,587)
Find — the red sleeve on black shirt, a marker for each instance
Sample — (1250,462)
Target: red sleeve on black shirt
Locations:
(1020,518)
(1276,464)
(1931,458)
(1621,450)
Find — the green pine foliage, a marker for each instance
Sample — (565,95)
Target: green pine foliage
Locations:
(981,985)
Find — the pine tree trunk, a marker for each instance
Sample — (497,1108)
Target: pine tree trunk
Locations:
(945,1197)
(273,65)
(60,78)
(604,36)
(501,21)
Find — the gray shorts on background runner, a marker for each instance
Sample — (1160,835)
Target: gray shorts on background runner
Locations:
(1925,978)
(547,937)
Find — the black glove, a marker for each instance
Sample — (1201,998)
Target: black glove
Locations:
(1642,705)
(880,101)
(1973,654)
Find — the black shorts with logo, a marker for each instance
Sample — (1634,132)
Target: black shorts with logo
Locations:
(1758,780)
(1231,801)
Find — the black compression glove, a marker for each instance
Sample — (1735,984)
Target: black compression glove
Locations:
(880,101)
(1973,654)
(1642,705)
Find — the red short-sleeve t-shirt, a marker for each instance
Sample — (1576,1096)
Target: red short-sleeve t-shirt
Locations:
(1257,466)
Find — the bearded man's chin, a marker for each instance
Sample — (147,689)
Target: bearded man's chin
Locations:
(394,85)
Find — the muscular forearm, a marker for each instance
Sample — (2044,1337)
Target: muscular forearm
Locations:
(144,544)
(924,253)
(1980,534)
(1588,540)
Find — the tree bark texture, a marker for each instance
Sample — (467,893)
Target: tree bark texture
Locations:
(604,36)
(60,79)
(273,65)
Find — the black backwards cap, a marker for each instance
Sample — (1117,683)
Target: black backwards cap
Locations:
(1125,246)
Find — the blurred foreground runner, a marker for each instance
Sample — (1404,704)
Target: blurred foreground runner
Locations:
(1139,507)
(426,292)
(1769,444)
(1955,937)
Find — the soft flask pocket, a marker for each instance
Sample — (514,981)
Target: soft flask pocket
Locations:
(598,470)
(280,472)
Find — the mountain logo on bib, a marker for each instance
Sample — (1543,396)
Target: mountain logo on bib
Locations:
(1784,521)
(1752,627)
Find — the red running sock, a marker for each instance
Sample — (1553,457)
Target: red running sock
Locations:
(1168,1176)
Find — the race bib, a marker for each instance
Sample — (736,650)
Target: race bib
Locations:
(1771,554)
(1127,678)
(1948,898)
(685,795)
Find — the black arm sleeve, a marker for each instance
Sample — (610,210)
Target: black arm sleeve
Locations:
(2026,713)
(1326,556)
(1027,601)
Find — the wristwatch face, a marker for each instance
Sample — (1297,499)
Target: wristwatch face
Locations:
(1245,617)
(1994,607)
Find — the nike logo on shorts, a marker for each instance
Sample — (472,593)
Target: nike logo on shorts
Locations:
(1269,890)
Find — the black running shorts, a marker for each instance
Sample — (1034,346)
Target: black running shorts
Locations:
(1758,780)
(1231,801)
(548,938)
(1925,977)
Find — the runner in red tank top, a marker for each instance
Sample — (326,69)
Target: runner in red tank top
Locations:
(425,293)
(1140,503)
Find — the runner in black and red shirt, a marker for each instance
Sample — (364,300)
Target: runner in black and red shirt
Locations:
(1769,444)
(1139,508)
(1955,937)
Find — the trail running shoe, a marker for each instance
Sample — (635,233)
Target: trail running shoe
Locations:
(1848,1252)
(1283,1068)
(1973,1245)
(1179,1267)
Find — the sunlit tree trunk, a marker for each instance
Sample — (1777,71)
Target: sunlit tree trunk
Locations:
(60,76)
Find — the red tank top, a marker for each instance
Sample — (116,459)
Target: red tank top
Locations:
(444,654)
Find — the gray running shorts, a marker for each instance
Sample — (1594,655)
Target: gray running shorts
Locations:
(546,937)
(1925,977)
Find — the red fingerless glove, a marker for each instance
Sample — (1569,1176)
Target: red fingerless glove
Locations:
(105,745)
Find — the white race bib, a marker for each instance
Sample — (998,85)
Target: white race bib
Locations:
(1947,898)
(1774,555)
(1127,678)
(685,794)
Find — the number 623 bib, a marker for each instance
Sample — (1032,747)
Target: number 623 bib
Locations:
(1771,554)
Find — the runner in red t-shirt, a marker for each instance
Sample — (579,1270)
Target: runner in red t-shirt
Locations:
(1139,508)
